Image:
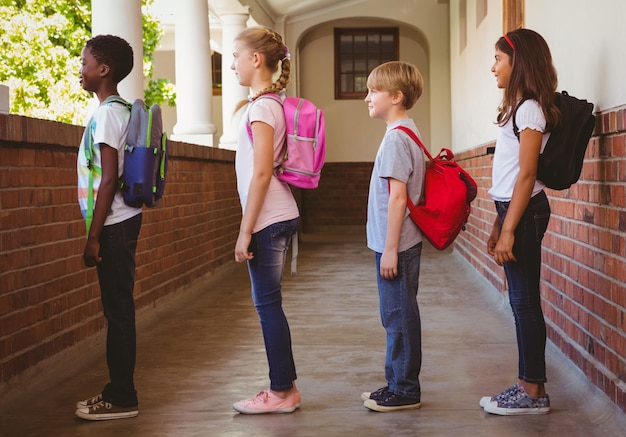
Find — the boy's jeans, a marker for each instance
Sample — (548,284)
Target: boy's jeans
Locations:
(269,247)
(116,273)
(523,277)
(400,316)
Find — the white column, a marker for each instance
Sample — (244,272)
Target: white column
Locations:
(232,92)
(194,86)
(4,99)
(122,18)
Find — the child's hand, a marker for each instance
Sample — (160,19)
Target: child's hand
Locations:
(389,265)
(90,254)
(503,251)
(241,248)
(492,241)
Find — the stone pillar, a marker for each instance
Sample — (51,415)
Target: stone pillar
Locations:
(122,18)
(4,99)
(232,92)
(194,85)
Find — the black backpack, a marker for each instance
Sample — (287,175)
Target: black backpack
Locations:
(561,162)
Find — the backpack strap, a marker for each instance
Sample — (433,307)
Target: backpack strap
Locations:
(277,98)
(263,96)
(88,148)
(417,140)
(515,128)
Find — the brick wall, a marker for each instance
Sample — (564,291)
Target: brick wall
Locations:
(584,256)
(340,199)
(48,300)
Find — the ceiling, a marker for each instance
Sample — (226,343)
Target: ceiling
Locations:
(274,10)
(281,8)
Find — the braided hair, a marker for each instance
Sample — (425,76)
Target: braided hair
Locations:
(270,44)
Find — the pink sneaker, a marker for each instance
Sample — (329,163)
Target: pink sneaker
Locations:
(268,402)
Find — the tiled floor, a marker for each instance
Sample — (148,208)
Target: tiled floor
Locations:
(202,351)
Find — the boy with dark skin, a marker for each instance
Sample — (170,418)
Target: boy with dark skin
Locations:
(113,228)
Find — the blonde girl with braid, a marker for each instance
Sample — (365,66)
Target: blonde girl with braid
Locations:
(270,214)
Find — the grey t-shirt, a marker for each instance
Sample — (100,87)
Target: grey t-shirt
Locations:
(399,158)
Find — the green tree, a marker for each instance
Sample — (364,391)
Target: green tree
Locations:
(40,45)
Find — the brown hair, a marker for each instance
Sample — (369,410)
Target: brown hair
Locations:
(270,44)
(398,76)
(533,75)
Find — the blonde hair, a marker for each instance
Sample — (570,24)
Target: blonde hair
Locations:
(398,76)
(270,44)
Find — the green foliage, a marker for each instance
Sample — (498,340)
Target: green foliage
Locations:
(40,45)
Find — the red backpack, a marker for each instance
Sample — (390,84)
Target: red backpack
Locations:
(448,192)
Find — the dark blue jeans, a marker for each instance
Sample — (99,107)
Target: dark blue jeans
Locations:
(269,247)
(116,272)
(523,277)
(400,316)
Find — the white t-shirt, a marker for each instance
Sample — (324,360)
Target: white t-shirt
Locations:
(279,204)
(506,158)
(109,126)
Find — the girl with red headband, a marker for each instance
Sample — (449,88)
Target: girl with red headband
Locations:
(524,71)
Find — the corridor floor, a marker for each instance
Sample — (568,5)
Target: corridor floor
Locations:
(199,353)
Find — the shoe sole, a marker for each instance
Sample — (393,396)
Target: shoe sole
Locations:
(484,401)
(107,416)
(365,396)
(372,405)
(494,409)
(244,410)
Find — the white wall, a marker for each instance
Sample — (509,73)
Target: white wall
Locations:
(587,45)
(585,39)
(424,40)
(350,133)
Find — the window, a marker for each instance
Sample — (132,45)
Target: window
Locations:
(359,51)
(216,71)
(513,11)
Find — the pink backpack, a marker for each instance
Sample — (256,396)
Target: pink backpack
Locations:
(305,148)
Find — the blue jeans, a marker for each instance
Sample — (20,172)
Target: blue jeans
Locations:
(400,316)
(116,272)
(269,247)
(523,277)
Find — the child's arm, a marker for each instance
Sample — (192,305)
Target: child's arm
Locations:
(530,146)
(493,237)
(106,193)
(263,135)
(395,217)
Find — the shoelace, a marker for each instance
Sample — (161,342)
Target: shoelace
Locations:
(260,398)
(101,404)
(94,400)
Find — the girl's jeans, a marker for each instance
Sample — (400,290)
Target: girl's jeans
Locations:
(116,272)
(269,248)
(523,279)
(401,319)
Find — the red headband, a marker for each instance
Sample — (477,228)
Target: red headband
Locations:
(506,37)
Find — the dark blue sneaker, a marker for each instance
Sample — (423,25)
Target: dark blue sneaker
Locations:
(391,402)
(375,394)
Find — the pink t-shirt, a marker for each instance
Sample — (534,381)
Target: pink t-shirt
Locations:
(279,204)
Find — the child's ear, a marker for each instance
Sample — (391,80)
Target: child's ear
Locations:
(397,98)
(257,59)
(104,70)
